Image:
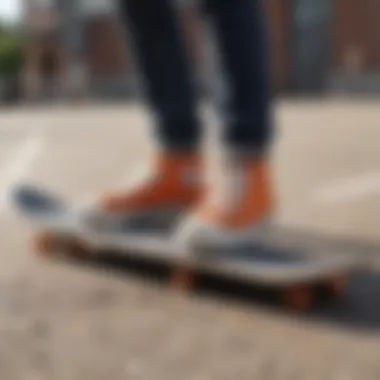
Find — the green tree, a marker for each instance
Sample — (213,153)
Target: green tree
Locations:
(11,52)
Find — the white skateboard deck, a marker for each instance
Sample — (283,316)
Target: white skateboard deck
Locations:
(275,257)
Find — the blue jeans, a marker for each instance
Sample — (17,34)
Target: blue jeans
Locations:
(240,31)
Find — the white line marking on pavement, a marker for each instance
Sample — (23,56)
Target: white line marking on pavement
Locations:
(18,166)
(349,189)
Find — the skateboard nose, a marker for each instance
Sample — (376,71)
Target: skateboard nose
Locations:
(32,198)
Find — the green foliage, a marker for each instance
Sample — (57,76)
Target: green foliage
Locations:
(11,52)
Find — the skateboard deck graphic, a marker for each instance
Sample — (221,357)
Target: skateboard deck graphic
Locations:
(268,261)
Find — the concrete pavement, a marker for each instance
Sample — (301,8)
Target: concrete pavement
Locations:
(61,322)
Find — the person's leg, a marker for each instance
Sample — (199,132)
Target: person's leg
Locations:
(244,199)
(163,61)
(164,64)
(240,31)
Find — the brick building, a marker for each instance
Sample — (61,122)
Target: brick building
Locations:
(45,50)
(57,41)
(326,44)
(317,46)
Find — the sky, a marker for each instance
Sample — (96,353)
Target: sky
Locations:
(10,9)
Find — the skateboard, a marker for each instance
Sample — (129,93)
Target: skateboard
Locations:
(295,268)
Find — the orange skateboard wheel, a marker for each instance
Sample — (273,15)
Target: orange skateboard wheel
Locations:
(183,279)
(76,248)
(45,243)
(299,298)
(337,286)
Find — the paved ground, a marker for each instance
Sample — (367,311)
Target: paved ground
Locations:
(66,323)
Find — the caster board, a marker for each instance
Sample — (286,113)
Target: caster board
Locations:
(294,268)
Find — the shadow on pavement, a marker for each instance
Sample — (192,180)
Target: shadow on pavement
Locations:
(358,309)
